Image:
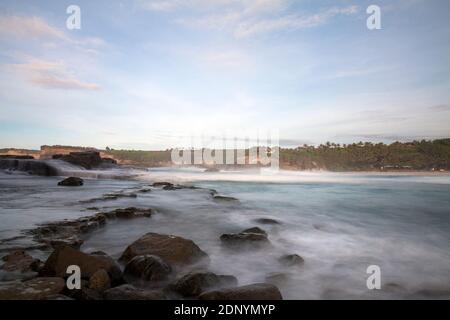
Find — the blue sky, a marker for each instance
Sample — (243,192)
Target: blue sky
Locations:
(144,74)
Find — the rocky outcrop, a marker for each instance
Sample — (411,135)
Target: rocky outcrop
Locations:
(224,199)
(193,284)
(129,213)
(39,288)
(267,221)
(291,260)
(20,261)
(71,182)
(250,238)
(147,268)
(85,159)
(172,249)
(128,292)
(258,291)
(64,256)
(35,167)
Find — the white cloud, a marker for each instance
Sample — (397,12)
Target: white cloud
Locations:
(53,75)
(247,18)
(28,27)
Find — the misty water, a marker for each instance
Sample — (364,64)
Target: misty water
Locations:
(339,223)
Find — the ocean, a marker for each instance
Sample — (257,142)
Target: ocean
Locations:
(340,223)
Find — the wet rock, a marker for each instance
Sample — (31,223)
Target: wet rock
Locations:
(267,221)
(172,249)
(148,268)
(224,199)
(255,230)
(67,232)
(64,256)
(35,167)
(19,261)
(129,213)
(85,292)
(35,289)
(100,281)
(245,240)
(85,159)
(162,184)
(71,182)
(193,284)
(291,260)
(128,292)
(257,291)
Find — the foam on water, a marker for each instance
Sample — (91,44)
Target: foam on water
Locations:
(339,223)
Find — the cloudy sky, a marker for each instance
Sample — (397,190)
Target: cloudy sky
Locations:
(144,74)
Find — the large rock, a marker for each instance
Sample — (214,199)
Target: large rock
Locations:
(71,182)
(64,256)
(148,268)
(36,167)
(257,291)
(267,221)
(100,281)
(172,249)
(245,239)
(19,261)
(85,159)
(38,288)
(290,260)
(128,292)
(193,284)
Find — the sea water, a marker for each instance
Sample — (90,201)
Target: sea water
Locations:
(339,223)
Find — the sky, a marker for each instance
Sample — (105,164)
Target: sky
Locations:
(147,74)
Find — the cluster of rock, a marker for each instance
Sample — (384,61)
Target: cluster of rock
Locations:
(156,266)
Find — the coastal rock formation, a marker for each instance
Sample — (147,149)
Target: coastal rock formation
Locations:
(36,167)
(148,268)
(253,237)
(100,281)
(35,289)
(267,221)
(128,292)
(85,159)
(129,213)
(172,249)
(257,291)
(224,198)
(20,261)
(255,230)
(291,260)
(71,182)
(193,284)
(64,256)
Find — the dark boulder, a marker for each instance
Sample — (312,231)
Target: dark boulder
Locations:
(148,268)
(193,284)
(245,239)
(128,292)
(255,230)
(71,182)
(172,249)
(64,256)
(162,184)
(129,213)
(266,221)
(100,281)
(35,167)
(291,260)
(257,291)
(224,199)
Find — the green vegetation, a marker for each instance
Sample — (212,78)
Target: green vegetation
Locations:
(139,157)
(416,155)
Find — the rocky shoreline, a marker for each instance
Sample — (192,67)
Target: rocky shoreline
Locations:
(153,267)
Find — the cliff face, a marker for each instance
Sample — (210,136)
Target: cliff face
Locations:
(20,152)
